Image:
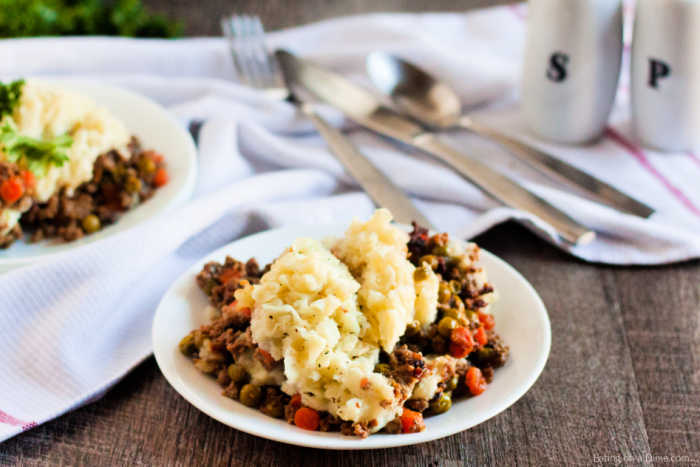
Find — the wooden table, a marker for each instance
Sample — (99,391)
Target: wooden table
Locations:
(622,382)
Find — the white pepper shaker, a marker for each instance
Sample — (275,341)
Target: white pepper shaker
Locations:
(572,63)
(665,84)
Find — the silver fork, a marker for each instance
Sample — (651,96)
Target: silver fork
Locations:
(254,65)
(257,68)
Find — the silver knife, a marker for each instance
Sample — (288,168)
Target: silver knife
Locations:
(367,110)
(383,192)
(563,172)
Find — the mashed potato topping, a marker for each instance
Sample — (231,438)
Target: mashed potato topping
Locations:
(427,285)
(327,315)
(47,111)
(305,312)
(375,251)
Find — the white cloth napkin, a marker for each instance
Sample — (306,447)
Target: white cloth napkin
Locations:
(71,327)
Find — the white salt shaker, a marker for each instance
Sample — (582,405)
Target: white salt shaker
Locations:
(572,64)
(665,84)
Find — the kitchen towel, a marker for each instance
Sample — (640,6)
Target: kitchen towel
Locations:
(73,326)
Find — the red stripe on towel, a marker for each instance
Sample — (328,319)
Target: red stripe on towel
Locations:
(694,158)
(638,154)
(8,419)
(517,11)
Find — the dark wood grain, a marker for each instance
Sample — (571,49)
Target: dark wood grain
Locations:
(622,382)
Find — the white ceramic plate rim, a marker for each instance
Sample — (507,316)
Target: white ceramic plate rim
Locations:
(235,415)
(182,166)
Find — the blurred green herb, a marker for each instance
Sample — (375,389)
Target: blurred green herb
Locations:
(9,96)
(22,18)
(37,154)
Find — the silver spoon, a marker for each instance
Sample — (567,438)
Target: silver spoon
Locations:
(437,105)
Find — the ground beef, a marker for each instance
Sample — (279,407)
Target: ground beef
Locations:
(494,354)
(231,391)
(221,280)
(119,183)
(230,318)
(329,422)
(243,342)
(419,405)
(406,365)
(291,408)
(273,402)
(417,243)
(393,427)
(354,429)
(222,377)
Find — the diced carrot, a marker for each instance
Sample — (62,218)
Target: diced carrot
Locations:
(296,400)
(228,274)
(29,179)
(411,422)
(475,381)
(307,418)
(461,342)
(480,336)
(487,320)
(157,158)
(161,177)
(364,383)
(11,190)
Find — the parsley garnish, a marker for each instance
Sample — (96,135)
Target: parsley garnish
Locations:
(22,18)
(9,96)
(37,154)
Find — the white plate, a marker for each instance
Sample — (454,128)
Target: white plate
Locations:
(156,129)
(521,320)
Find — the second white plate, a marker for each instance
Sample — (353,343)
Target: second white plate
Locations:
(521,320)
(157,129)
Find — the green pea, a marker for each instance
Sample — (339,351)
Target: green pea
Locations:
(206,366)
(187,346)
(459,304)
(382,368)
(485,356)
(133,184)
(431,260)
(91,223)
(199,338)
(471,315)
(446,325)
(147,165)
(236,372)
(442,404)
(250,395)
(273,408)
(440,250)
(455,287)
(444,293)
(452,383)
(420,274)
(450,313)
